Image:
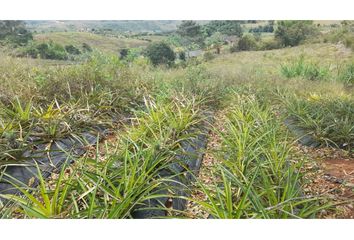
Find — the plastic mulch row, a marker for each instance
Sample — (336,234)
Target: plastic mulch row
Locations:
(304,138)
(182,173)
(48,157)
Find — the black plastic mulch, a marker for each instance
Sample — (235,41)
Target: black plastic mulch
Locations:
(49,157)
(303,136)
(182,173)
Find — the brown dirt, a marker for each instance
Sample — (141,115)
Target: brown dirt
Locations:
(330,173)
(194,210)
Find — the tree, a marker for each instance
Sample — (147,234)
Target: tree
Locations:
(190,33)
(215,41)
(15,32)
(292,33)
(189,29)
(227,27)
(160,53)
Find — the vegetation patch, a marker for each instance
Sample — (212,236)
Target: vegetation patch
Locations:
(328,119)
(256,176)
(307,70)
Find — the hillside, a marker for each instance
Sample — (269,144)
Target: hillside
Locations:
(102,43)
(256,127)
(114,25)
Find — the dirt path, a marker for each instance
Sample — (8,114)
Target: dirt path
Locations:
(328,172)
(207,168)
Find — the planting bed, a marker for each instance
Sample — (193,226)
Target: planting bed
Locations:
(48,157)
(182,172)
(302,136)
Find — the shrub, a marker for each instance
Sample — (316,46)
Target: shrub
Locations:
(160,53)
(71,49)
(47,51)
(133,54)
(247,43)
(270,44)
(123,53)
(208,56)
(233,48)
(182,56)
(86,47)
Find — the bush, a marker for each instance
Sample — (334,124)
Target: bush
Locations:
(86,47)
(72,50)
(182,56)
(47,51)
(233,48)
(160,53)
(133,54)
(292,33)
(207,56)
(270,44)
(247,43)
(123,53)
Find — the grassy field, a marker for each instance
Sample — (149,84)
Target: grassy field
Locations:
(254,167)
(102,43)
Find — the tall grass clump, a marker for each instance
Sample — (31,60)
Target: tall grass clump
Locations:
(256,177)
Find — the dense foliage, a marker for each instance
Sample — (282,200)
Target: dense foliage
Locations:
(160,53)
(227,27)
(48,50)
(246,43)
(14,32)
(292,33)
(189,29)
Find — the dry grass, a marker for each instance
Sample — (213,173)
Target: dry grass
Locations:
(102,43)
(262,68)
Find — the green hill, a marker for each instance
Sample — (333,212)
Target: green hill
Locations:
(102,43)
